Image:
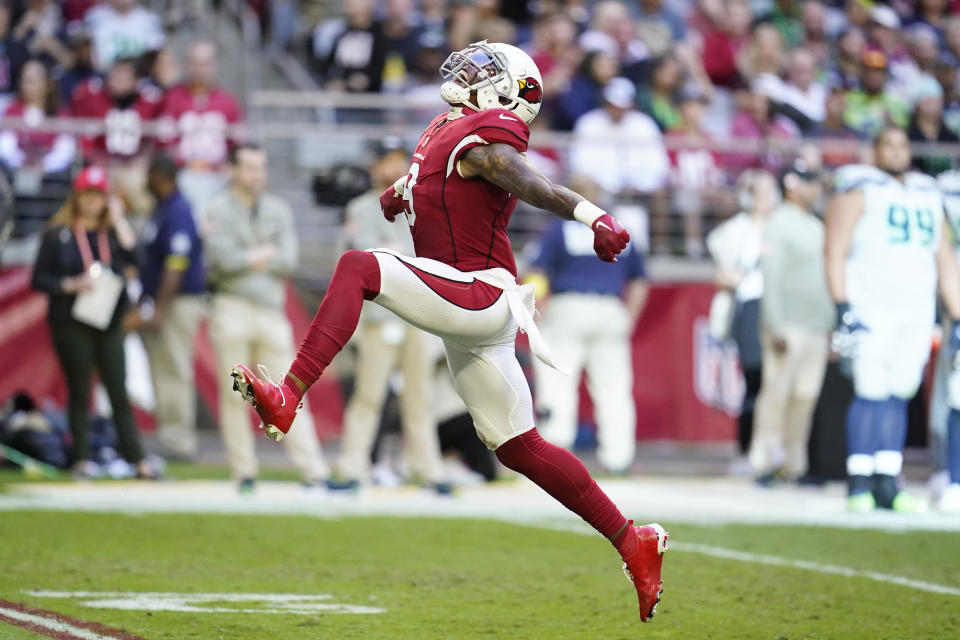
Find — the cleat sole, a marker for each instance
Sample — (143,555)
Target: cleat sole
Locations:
(241,385)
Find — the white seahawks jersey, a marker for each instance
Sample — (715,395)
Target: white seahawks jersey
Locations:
(892,259)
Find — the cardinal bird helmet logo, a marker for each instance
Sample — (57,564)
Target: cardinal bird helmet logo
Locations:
(530,90)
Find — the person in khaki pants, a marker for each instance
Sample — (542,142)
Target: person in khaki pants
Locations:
(251,250)
(796,318)
(386,343)
(171,308)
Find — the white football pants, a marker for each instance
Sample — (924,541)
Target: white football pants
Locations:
(589,332)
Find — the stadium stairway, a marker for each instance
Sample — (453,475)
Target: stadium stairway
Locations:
(249,70)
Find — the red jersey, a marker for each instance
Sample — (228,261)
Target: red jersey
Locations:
(35,144)
(458,221)
(124,135)
(693,168)
(202,122)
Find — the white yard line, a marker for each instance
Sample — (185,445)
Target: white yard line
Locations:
(283,603)
(776,561)
(53,625)
(832,569)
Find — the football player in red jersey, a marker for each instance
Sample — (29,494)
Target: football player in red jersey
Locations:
(465,177)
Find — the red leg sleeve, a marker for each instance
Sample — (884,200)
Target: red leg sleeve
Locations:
(356,278)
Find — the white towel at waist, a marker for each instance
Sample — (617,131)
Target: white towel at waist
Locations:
(519,298)
(522,307)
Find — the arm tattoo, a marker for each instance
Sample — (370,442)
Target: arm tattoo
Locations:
(505,167)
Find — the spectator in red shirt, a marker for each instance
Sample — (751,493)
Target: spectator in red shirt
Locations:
(694,171)
(74,10)
(722,47)
(34,152)
(124,106)
(127,107)
(554,39)
(554,50)
(202,118)
(756,121)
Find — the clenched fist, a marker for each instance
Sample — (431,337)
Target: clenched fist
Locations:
(391,204)
(609,237)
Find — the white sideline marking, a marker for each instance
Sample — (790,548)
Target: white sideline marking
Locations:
(188,602)
(777,561)
(54,625)
(746,556)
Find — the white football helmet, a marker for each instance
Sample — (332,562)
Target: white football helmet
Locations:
(503,76)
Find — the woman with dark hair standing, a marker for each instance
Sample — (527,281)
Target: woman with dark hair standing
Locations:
(84,251)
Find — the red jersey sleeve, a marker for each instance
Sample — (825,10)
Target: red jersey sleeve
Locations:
(493,126)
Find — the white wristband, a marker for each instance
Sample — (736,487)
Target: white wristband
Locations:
(587,212)
(399,185)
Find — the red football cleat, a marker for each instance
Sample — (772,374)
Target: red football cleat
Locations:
(275,408)
(642,566)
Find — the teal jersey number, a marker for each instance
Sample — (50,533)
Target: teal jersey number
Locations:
(906,225)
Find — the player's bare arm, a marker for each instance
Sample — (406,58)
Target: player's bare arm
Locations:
(507,168)
(949,271)
(843,213)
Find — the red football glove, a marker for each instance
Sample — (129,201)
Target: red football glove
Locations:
(391,204)
(609,237)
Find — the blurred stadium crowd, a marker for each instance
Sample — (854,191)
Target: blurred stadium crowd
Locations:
(725,105)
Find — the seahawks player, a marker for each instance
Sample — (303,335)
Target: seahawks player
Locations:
(886,241)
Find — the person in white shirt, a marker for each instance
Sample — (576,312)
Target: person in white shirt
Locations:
(801,89)
(736,247)
(618,147)
(121,29)
(622,150)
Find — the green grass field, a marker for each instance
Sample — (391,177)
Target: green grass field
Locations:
(472,578)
